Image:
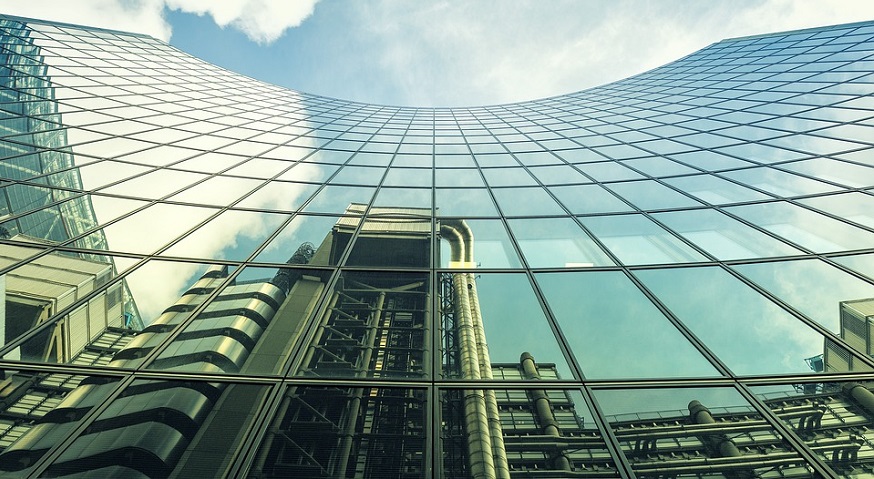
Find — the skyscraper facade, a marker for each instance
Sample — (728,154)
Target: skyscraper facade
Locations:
(205,275)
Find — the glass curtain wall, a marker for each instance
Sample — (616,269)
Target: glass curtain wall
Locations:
(204,275)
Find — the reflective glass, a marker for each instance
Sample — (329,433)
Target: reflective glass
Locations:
(492,247)
(812,287)
(505,306)
(382,316)
(635,239)
(650,195)
(556,243)
(604,317)
(723,237)
(804,227)
(547,432)
(697,432)
(465,202)
(749,333)
(318,428)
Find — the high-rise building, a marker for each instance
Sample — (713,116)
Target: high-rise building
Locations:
(204,275)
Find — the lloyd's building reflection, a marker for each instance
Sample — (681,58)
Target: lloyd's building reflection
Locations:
(374,325)
(669,276)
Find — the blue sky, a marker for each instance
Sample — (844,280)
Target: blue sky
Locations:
(443,52)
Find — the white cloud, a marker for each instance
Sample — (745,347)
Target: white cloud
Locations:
(451,52)
(263,21)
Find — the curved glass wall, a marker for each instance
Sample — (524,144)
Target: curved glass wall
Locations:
(204,275)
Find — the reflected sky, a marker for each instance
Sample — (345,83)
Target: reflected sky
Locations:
(751,334)
(605,317)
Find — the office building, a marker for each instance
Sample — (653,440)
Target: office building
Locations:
(210,276)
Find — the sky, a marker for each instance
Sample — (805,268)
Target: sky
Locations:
(443,52)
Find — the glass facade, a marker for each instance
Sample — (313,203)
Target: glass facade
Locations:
(204,275)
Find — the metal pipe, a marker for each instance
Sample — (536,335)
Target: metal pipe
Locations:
(862,395)
(543,408)
(502,467)
(485,437)
(701,415)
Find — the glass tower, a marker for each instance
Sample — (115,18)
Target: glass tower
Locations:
(204,275)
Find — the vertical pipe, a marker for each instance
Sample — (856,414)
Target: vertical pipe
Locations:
(476,414)
(499,451)
(543,409)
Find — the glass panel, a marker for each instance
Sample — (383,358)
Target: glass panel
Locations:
(749,333)
(556,242)
(144,430)
(408,177)
(609,171)
(491,245)
(42,412)
(250,326)
(863,263)
(346,432)
(219,191)
(394,237)
(359,175)
(231,235)
(855,176)
(149,229)
(336,199)
(833,419)
(465,202)
(695,433)
(649,195)
(558,175)
(605,317)
(587,199)
(458,177)
(724,237)
(804,227)
(309,238)
(155,184)
(500,307)
(779,182)
(34,294)
(526,202)
(278,195)
(543,433)
(715,190)
(635,239)
(507,177)
(412,198)
(374,325)
(855,206)
(813,287)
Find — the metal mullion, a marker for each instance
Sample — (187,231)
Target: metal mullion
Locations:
(614,447)
(822,330)
(819,466)
(252,444)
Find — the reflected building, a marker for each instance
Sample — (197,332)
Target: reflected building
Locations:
(342,290)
